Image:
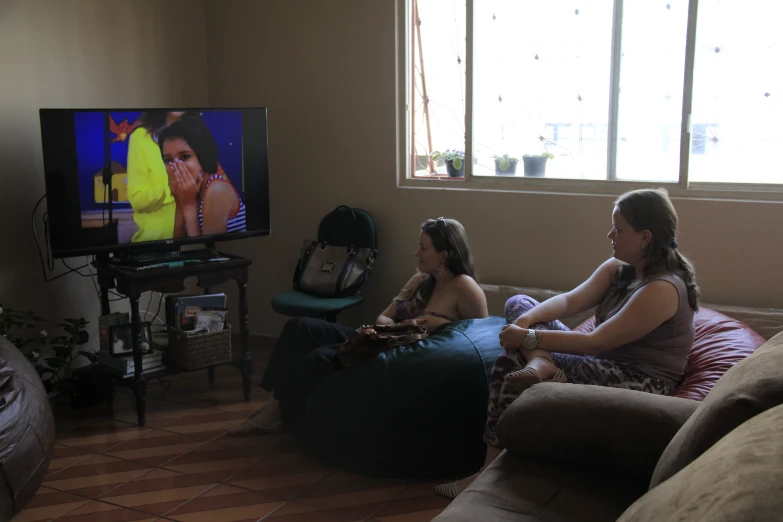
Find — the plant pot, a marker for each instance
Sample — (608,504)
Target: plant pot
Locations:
(535,166)
(454,173)
(510,171)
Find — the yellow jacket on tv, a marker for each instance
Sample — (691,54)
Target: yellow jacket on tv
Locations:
(148,189)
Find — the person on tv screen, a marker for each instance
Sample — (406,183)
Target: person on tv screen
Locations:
(148,188)
(206,201)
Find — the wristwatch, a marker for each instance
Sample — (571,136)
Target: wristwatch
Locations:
(530,342)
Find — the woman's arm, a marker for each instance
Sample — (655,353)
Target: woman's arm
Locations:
(179,223)
(147,179)
(388,315)
(581,298)
(220,202)
(645,311)
(471,301)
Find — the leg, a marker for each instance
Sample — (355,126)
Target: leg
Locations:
(300,335)
(290,397)
(246,364)
(519,304)
(140,383)
(309,371)
(539,366)
(501,395)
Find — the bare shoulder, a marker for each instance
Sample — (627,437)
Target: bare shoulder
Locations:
(612,266)
(464,282)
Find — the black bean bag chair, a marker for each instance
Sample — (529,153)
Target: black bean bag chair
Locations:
(416,411)
(26,431)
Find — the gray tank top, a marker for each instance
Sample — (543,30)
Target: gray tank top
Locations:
(663,353)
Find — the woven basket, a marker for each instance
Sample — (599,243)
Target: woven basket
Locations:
(191,352)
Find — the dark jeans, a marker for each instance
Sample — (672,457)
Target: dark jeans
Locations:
(305,353)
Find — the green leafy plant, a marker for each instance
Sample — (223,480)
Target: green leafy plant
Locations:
(15,326)
(456,157)
(21,328)
(505,161)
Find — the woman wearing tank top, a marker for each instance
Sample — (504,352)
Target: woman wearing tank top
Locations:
(206,201)
(646,296)
(444,289)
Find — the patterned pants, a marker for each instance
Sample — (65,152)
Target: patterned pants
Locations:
(579,369)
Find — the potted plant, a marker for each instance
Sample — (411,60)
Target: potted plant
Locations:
(535,166)
(51,356)
(454,160)
(506,165)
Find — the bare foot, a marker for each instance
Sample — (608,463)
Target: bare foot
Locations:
(543,366)
(265,420)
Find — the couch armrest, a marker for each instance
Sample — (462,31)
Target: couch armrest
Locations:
(611,429)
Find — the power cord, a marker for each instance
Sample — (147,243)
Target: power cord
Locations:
(48,264)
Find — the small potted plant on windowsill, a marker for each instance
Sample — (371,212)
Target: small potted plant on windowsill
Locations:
(506,165)
(535,166)
(454,160)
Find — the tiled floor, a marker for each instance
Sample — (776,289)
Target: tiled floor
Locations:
(182,466)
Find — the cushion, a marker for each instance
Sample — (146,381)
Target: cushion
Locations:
(414,411)
(298,304)
(26,430)
(750,387)
(611,429)
(522,489)
(737,480)
(720,343)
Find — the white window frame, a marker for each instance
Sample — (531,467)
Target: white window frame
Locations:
(680,189)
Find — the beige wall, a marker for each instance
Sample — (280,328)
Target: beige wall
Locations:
(326,70)
(80,53)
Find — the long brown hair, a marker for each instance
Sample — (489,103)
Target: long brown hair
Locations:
(651,209)
(447,235)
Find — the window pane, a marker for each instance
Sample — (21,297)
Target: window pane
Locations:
(651,82)
(541,84)
(738,92)
(437,59)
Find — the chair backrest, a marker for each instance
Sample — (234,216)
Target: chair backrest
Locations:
(345,226)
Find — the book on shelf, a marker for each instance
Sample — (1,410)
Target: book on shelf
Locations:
(145,371)
(125,364)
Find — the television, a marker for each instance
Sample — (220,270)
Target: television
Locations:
(128,181)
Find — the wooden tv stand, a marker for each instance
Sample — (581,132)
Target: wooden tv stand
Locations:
(132,282)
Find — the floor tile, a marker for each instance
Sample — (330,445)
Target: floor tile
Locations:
(358,497)
(48,504)
(95,476)
(159,491)
(223,460)
(101,437)
(226,504)
(183,466)
(63,457)
(298,512)
(155,447)
(97,511)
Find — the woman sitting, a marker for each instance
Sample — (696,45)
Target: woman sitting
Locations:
(444,289)
(646,295)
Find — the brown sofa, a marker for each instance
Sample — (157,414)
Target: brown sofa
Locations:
(586,453)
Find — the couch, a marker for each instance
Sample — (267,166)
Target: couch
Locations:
(587,453)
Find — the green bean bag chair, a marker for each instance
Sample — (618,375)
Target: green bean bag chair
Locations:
(416,411)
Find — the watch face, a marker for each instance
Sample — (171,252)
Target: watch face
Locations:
(530,341)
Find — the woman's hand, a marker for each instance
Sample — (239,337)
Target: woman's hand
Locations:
(511,337)
(185,188)
(414,321)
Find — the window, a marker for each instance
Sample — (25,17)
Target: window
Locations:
(600,87)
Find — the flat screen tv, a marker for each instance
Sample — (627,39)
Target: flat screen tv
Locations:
(140,180)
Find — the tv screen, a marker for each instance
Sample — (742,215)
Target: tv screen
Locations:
(146,179)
